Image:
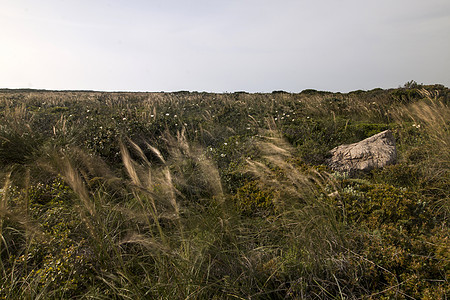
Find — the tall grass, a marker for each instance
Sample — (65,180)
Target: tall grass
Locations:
(199,207)
(146,244)
(430,118)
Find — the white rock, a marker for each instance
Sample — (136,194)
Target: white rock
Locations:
(374,152)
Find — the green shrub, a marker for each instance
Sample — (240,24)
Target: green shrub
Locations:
(380,204)
(398,175)
(227,209)
(397,230)
(253,199)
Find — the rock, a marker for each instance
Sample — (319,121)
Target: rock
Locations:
(374,152)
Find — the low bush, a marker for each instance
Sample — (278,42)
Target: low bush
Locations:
(215,196)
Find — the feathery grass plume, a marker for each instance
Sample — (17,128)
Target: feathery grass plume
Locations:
(212,175)
(60,128)
(18,118)
(435,116)
(19,223)
(188,157)
(19,143)
(431,118)
(129,165)
(303,182)
(305,212)
(156,152)
(107,220)
(276,154)
(4,207)
(73,178)
(140,192)
(141,174)
(70,167)
(17,215)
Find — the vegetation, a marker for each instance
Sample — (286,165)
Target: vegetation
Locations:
(192,195)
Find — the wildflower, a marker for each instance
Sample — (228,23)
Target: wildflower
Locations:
(175,116)
(124,119)
(167,114)
(223,155)
(225,144)
(152,116)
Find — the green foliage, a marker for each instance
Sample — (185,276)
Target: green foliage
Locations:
(399,175)
(49,194)
(18,148)
(406,95)
(48,257)
(252,199)
(399,240)
(196,195)
(361,131)
(379,205)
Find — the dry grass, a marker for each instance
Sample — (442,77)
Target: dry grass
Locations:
(431,118)
(161,222)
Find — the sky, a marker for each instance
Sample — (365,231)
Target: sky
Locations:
(223,46)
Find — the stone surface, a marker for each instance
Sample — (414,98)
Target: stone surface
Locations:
(374,152)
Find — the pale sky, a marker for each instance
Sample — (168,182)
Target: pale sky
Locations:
(223,46)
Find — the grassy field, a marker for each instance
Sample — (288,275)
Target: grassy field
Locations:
(192,195)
